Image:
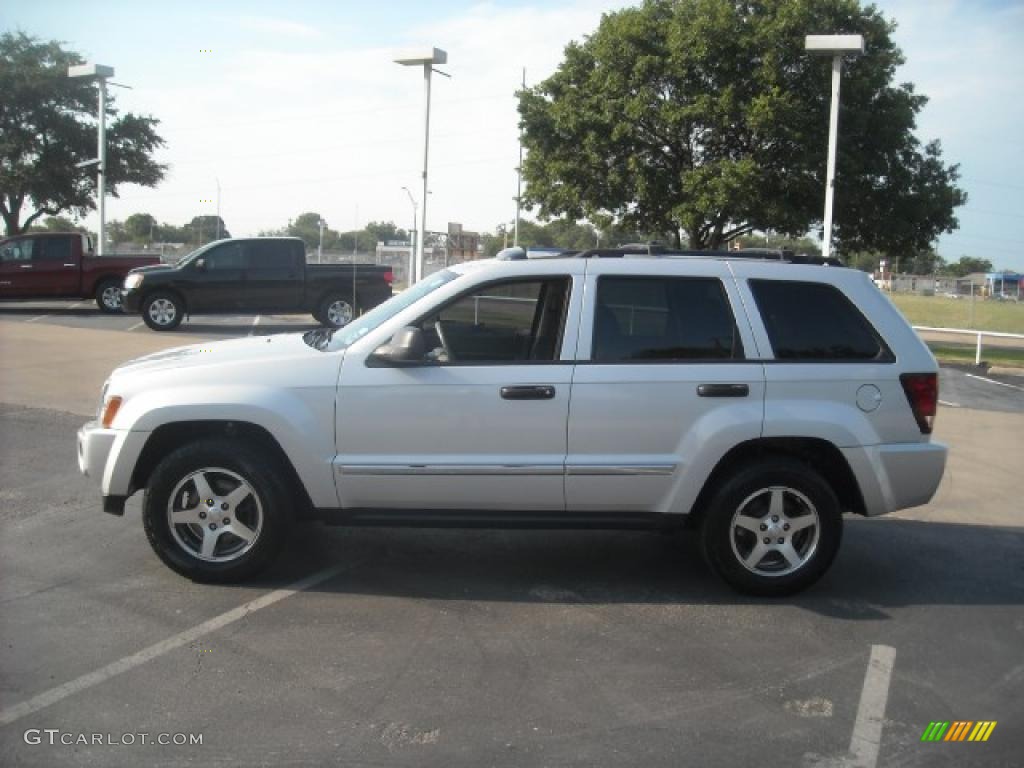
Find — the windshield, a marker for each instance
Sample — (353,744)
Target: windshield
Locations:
(333,339)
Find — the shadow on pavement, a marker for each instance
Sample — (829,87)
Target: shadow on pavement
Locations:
(882,564)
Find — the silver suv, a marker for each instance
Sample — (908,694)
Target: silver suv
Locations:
(754,400)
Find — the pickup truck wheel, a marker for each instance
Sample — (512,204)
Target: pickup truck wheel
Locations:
(772,529)
(162,311)
(216,512)
(108,296)
(335,311)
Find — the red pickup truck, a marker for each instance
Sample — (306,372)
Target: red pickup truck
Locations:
(63,266)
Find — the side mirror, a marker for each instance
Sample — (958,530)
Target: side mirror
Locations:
(201,265)
(406,347)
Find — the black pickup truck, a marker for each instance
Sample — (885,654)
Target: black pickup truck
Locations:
(252,276)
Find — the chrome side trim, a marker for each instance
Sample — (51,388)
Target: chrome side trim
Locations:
(620,469)
(422,470)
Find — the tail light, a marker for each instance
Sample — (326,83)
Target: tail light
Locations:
(389,277)
(923,394)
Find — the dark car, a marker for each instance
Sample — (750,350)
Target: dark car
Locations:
(253,276)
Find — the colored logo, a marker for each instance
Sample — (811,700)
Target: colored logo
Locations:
(958,730)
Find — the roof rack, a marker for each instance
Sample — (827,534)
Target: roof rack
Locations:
(654,249)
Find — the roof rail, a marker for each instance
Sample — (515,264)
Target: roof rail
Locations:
(654,249)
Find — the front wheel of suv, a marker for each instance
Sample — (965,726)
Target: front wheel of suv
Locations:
(215,511)
(772,529)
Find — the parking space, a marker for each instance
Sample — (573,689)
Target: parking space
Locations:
(84,314)
(419,647)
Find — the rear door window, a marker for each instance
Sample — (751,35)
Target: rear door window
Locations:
(659,319)
(54,248)
(815,321)
(270,259)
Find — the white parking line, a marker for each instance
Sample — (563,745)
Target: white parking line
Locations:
(142,323)
(948,403)
(867,729)
(993,381)
(33,319)
(255,322)
(61,692)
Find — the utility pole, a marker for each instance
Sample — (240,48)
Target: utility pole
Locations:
(218,206)
(320,248)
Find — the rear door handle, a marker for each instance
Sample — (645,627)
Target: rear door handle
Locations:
(538,392)
(25,266)
(723,390)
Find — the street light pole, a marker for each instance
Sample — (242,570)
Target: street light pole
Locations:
(412,237)
(100,73)
(218,206)
(320,248)
(835,46)
(426,59)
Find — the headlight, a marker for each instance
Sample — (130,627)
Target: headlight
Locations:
(134,280)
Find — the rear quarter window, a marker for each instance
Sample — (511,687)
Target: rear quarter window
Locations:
(816,321)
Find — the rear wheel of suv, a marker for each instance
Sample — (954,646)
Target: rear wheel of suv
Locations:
(773,528)
(215,511)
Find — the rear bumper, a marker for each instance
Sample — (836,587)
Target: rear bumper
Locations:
(898,476)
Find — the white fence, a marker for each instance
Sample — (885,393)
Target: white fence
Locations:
(966,332)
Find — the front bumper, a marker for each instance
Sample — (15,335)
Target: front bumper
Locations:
(108,457)
(897,476)
(131,300)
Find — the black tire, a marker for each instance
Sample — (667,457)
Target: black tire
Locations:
(108,296)
(157,310)
(797,493)
(334,308)
(264,513)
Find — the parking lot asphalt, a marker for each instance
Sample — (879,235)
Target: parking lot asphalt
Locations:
(417,647)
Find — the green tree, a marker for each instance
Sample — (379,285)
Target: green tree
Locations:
(969,264)
(57,224)
(141,227)
(307,226)
(203,229)
(383,231)
(707,118)
(47,125)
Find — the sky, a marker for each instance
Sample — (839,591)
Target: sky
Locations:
(295,107)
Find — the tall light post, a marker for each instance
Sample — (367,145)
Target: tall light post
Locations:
(320,248)
(835,46)
(425,58)
(99,73)
(412,235)
(218,206)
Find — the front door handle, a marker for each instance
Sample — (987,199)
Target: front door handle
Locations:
(533,392)
(25,266)
(723,390)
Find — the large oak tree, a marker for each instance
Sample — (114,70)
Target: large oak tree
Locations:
(706,118)
(48,124)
